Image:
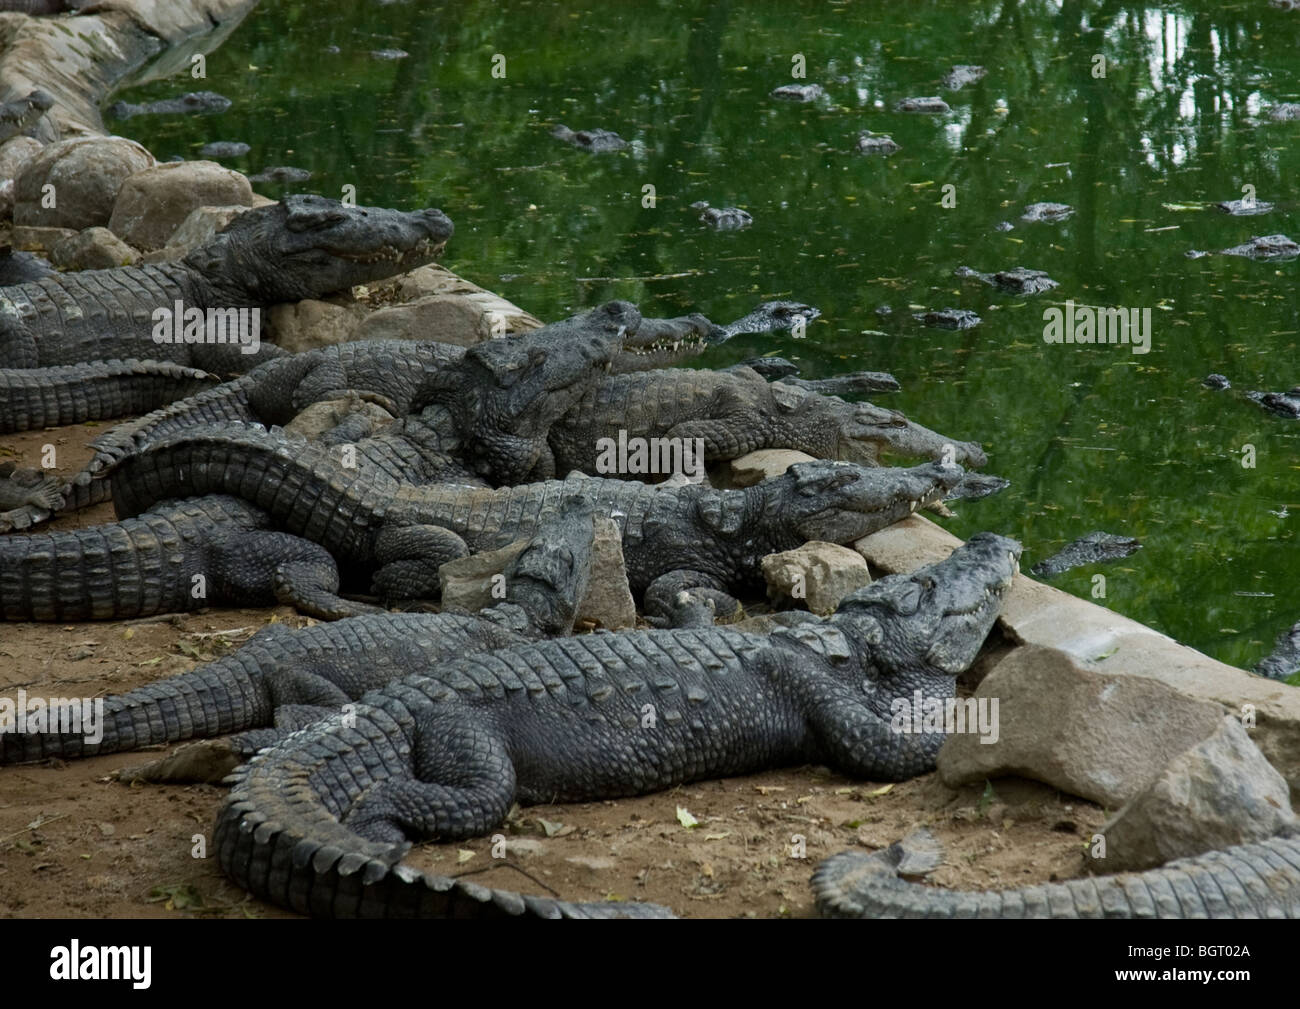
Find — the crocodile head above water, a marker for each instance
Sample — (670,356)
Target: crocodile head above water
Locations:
(310,246)
(838,502)
(932,622)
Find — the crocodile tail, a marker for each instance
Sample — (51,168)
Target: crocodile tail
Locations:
(1259,880)
(32,398)
(279,836)
(223,696)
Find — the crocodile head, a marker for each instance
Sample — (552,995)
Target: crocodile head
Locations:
(932,622)
(310,246)
(549,579)
(661,343)
(506,394)
(839,502)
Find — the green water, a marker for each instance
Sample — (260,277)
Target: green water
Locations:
(1091,437)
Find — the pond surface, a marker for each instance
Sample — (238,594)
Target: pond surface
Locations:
(1092,437)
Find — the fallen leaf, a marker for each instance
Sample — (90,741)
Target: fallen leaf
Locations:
(685,819)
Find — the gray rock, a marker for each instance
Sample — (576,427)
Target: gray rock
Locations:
(763,464)
(307,324)
(1220,793)
(472,583)
(86,172)
(318,418)
(17,153)
(31,239)
(818,574)
(200,225)
(153,203)
(1100,736)
(608,602)
(92,249)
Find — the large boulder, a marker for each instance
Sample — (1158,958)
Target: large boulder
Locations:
(92,249)
(1088,733)
(16,154)
(818,574)
(305,325)
(153,203)
(200,226)
(87,174)
(1220,793)
(764,464)
(432,303)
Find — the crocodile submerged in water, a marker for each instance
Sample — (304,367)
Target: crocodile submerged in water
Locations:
(319,822)
(1014,281)
(1090,549)
(1259,880)
(1051,212)
(304,247)
(595,141)
(673,537)
(200,103)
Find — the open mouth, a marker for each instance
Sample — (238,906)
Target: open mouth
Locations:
(694,343)
(423,249)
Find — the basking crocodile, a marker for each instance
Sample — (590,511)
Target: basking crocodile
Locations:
(282,679)
(673,537)
(318,822)
(398,375)
(176,556)
(1090,549)
(33,398)
(17,267)
(735,412)
(1015,281)
(1259,880)
(304,247)
(202,103)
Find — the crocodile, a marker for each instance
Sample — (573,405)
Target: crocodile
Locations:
(303,247)
(1015,281)
(397,375)
(176,556)
(596,141)
(723,218)
(735,412)
(1284,112)
(1245,208)
(281,677)
(318,822)
(1051,212)
(1258,880)
(18,115)
(281,173)
(961,75)
(17,267)
(932,105)
(798,92)
(202,103)
(1265,247)
(949,318)
(1284,660)
(673,537)
(224,149)
(1216,381)
(22,487)
(786,372)
(1284,404)
(1093,548)
(876,143)
(33,398)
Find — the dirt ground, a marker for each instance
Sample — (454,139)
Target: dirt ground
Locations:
(75,842)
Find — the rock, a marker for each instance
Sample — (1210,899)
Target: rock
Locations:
(1220,793)
(87,174)
(763,465)
(153,203)
(262,201)
(608,602)
(1060,721)
(524,846)
(92,249)
(17,153)
(446,318)
(820,574)
(38,239)
(313,421)
(304,325)
(468,583)
(200,225)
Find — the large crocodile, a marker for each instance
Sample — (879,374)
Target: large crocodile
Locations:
(673,537)
(735,412)
(318,822)
(304,247)
(282,678)
(1259,880)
